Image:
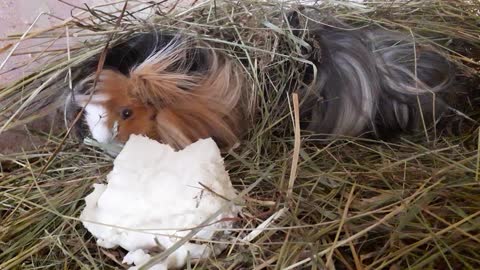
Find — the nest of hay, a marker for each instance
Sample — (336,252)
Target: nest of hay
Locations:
(350,204)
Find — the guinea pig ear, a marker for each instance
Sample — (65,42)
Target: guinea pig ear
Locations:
(83,100)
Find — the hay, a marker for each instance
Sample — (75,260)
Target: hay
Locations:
(353,203)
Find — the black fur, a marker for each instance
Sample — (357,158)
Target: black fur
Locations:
(126,55)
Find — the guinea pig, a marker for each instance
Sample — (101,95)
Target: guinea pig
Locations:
(177,90)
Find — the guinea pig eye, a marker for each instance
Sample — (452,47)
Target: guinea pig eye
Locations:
(126,113)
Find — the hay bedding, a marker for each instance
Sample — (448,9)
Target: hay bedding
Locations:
(354,203)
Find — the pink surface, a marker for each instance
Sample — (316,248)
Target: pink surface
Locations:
(16,16)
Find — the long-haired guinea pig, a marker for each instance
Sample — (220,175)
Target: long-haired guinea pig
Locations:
(177,90)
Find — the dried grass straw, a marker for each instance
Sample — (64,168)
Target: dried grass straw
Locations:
(350,204)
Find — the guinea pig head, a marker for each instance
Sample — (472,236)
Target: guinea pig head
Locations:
(112,113)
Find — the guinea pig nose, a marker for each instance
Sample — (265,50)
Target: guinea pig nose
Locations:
(126,113)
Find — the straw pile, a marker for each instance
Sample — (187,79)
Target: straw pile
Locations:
(351,204)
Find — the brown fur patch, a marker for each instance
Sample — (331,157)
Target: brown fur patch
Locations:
(117,88)
(172,106)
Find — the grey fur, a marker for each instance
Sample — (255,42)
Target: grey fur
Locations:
(375,81)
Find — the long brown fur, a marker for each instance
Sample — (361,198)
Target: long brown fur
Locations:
(172,106)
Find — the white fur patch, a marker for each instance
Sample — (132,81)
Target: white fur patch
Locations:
(96,119)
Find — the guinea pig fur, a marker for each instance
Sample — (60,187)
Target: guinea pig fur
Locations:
(375,81)
(166,96)
(177,90)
